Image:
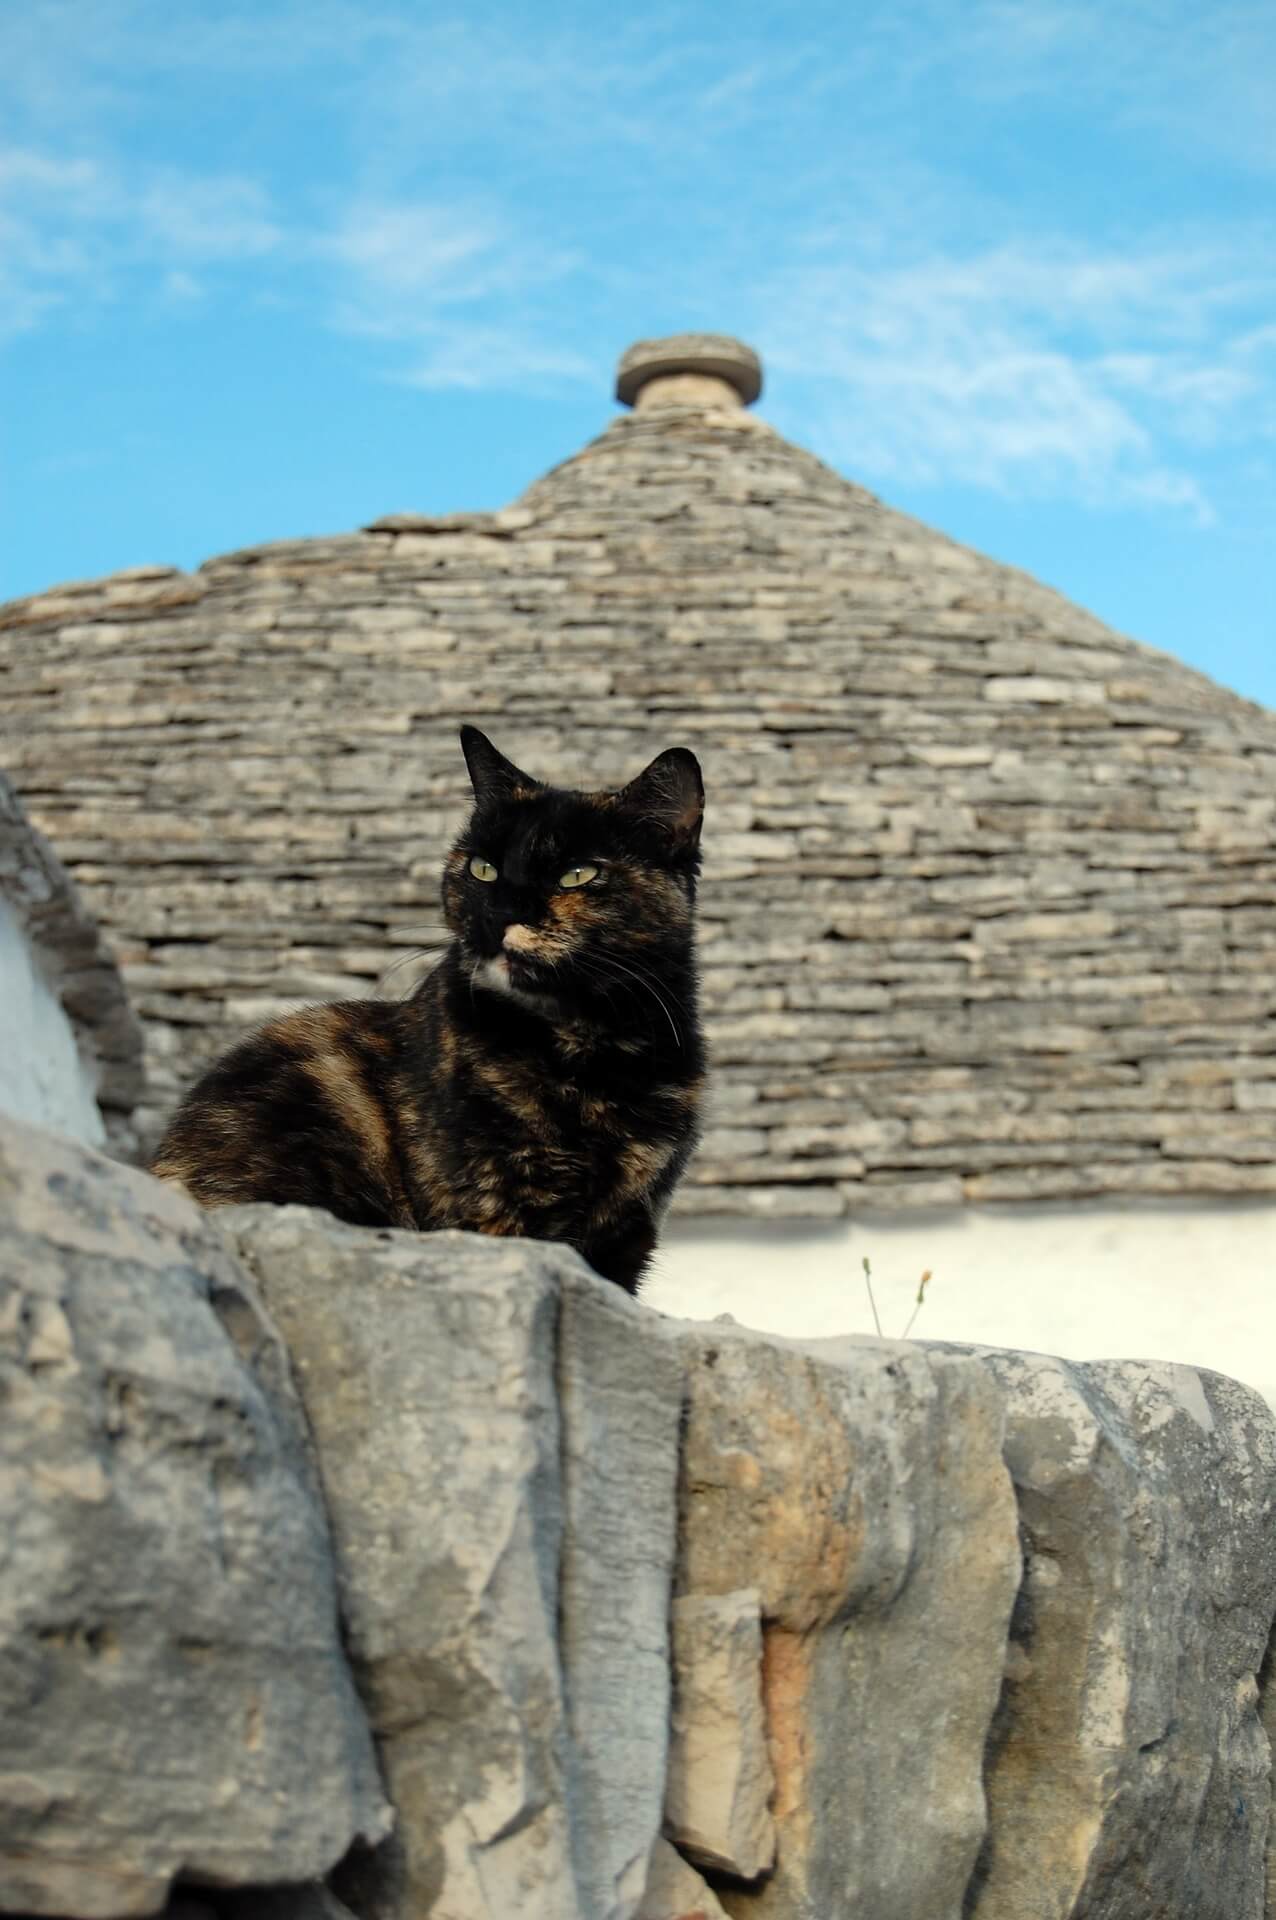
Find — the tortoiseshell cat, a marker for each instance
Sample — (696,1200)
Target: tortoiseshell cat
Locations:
(544,1080)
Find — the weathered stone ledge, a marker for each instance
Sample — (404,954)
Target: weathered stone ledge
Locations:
(626,1618)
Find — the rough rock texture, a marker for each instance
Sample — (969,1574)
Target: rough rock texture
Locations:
(510,1449)
(718,1795)
(497,1435)
(989,907)
(620,1395)
(860,1487)
(433,1414)
(75,962)
(1129,1772)
(173,1695)
(675,1891)
(1267,1714)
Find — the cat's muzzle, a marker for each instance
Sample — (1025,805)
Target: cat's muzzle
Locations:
(516,976)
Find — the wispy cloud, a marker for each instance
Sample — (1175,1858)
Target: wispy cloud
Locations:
(1198,76)
(222,217)
(438,282)
(83,231)
(181,288)
(404,258)
(486,207)
(486,357)
(49,209)
(1026,369)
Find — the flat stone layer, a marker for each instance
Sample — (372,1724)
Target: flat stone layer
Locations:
(989,910)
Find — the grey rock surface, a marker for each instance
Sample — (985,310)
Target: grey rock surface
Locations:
(619,1382)
(75,963)
(496,1432)
(859,1486)
(428,1384)
(718,1793)
(173,1694)
(675,1891)
(523,1468)
(1129,1770)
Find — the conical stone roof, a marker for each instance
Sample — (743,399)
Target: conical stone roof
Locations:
(989,909)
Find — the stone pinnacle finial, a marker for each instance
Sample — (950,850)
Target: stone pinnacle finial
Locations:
(689,369)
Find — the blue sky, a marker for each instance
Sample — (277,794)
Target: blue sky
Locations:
(275,269)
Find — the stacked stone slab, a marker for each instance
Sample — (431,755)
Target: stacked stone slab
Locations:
(990,899)
(980,1636)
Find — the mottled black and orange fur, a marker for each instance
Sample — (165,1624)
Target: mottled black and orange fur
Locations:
(544,1080)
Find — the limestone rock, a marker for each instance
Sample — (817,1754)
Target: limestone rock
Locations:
(620,1396)
(859,1486)
(717,1797)
(428,1386)
(70,1045)
(173,1695)
(1129,1771)
(675,1890)
(479,1530)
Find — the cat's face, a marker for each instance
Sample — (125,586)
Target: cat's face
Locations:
(561,899)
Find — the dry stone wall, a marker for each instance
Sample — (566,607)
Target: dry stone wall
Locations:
(353,1573)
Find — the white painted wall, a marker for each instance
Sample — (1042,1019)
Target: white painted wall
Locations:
(42,1077)
(1166,1280)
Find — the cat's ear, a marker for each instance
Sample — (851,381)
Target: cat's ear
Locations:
(670,794)
(491,774)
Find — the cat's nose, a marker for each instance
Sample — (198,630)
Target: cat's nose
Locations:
(519,938)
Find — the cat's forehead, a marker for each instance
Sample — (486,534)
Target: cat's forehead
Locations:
(549,821)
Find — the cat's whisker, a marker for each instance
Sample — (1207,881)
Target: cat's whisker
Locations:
(609,960)
(630,965)
(405,959)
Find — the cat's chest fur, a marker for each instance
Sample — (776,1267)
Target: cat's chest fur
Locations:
(558,1136)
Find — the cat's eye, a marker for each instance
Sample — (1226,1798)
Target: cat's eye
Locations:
(577,876)
(482,869)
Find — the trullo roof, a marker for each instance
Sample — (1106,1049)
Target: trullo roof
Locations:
(990,899)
